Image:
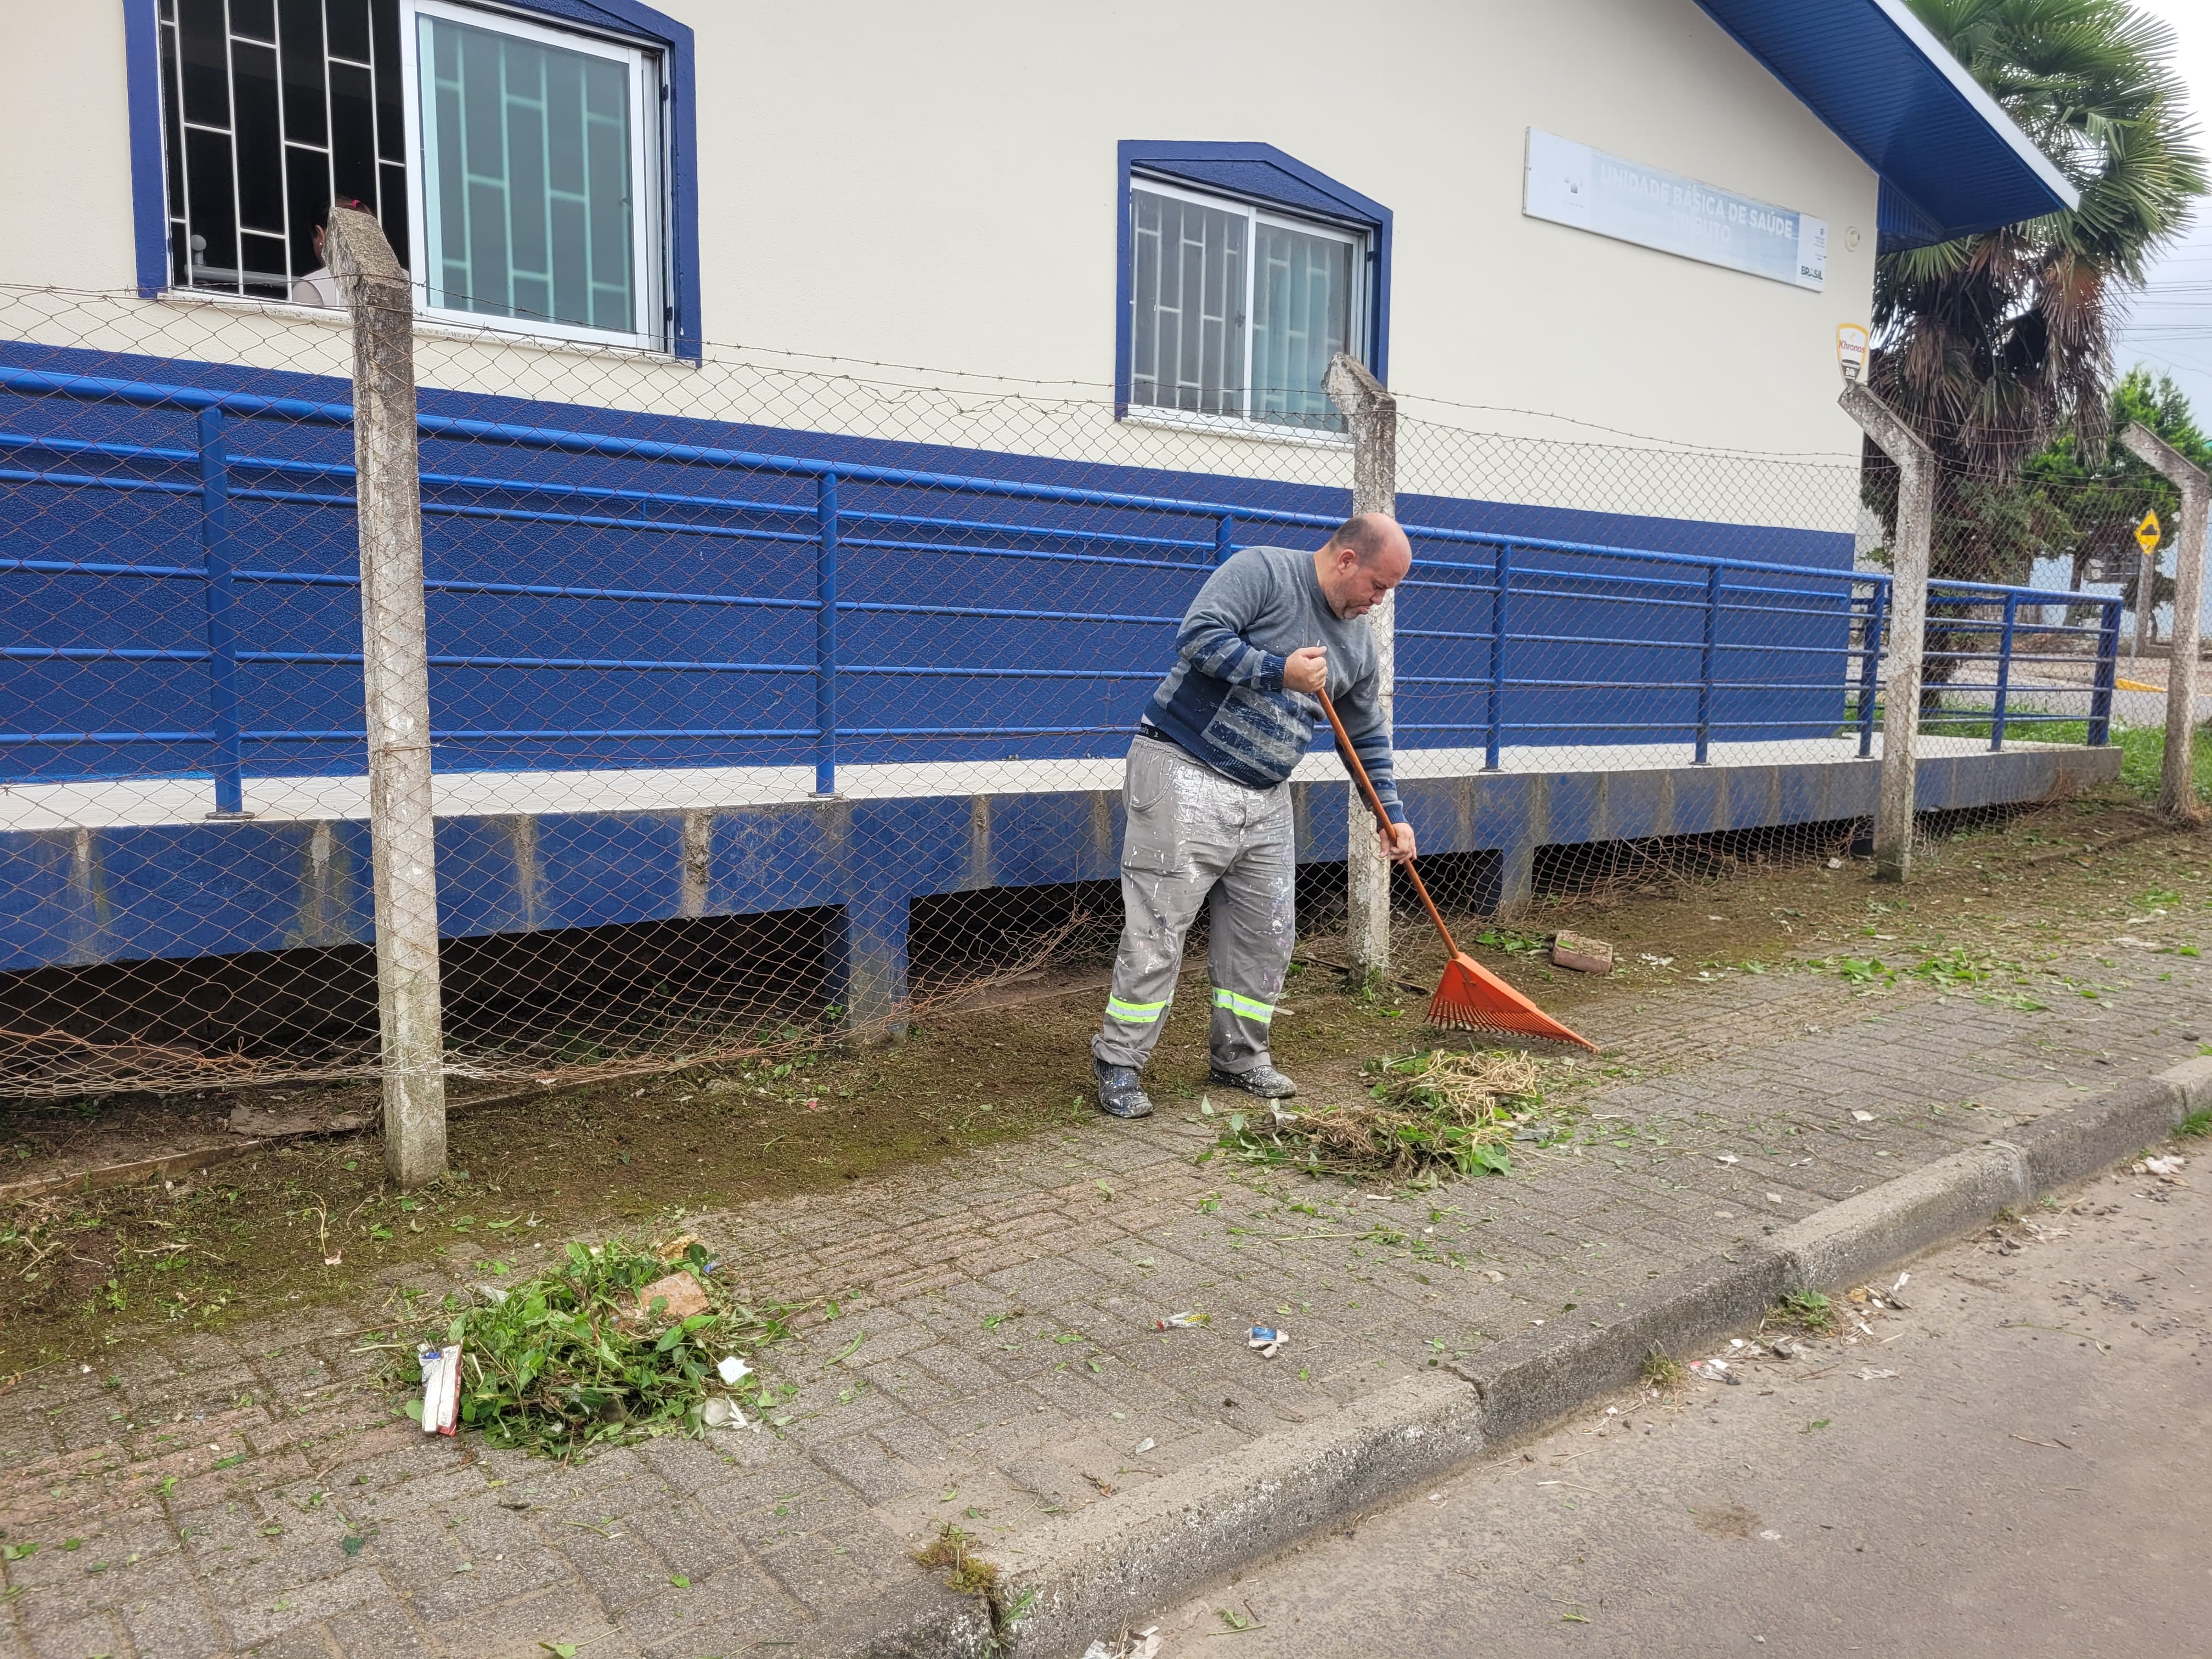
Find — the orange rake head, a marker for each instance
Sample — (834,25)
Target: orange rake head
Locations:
(1471,996)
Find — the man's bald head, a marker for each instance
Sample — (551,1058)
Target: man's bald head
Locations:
(1371,535)
(1365,558)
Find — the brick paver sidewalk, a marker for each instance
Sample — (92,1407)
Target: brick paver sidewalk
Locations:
(253,1491)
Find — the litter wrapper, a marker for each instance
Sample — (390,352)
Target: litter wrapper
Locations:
(1183,1321)
(733,1369)
(1267,1339)
(441,1389)
(1140,1644)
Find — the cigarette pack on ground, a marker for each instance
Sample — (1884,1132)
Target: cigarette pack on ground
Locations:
(441,1389)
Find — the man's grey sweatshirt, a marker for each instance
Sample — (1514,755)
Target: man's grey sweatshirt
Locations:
(1223,701)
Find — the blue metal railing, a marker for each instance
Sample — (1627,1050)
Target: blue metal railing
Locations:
(1862,597)
(1533,638)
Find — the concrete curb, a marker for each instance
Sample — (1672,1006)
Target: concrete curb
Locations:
(2063,1146)
(1108,1564)
(917,1621)
(1529,1379)
(1844,1243)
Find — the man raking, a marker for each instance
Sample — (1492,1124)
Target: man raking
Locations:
(1207,798)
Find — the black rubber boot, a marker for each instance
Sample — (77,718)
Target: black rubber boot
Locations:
(1264,1081)
(1121,1091)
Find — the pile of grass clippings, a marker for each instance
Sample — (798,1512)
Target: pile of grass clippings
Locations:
(1442,1110)
(572,1359)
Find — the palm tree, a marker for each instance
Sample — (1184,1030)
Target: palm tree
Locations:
(1989,343)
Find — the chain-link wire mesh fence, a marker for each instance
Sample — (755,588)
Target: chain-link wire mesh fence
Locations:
(772,701)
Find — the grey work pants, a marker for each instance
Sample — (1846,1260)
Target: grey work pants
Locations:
(1192,837)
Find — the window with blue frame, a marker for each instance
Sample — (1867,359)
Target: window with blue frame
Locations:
(523,163)
(1236,308)
(1243,271)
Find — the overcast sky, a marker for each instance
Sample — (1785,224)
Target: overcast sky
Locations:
(2170,324)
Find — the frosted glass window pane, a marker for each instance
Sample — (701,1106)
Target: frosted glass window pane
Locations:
(527,192)
(1301,318)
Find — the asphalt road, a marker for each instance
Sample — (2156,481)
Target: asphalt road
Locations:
(2035,1478)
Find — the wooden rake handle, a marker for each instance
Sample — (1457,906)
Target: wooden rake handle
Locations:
(1350,756)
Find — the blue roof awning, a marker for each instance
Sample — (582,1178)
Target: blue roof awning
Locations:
(1951,163)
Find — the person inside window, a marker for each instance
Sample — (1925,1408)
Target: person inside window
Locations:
(318,287)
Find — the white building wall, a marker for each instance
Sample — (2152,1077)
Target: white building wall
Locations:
(880,183)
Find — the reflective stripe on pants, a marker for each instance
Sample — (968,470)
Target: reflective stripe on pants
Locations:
(1134,1013)
(1251,1007)
(1195,838)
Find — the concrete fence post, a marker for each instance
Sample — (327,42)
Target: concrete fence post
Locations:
(396,693)
(2176,788)
(1372,414)
(1909,553)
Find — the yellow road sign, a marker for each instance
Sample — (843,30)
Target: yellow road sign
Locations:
(2147,534)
